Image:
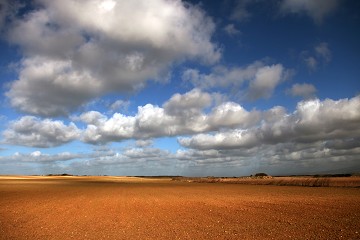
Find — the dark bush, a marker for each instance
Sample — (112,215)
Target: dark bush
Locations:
(261,175)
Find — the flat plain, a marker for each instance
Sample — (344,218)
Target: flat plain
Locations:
(36,207)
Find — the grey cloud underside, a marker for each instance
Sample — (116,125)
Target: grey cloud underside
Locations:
(38,157)
(3,12)
(98,157)
(71,56)
(311,157)
(8,10)
(304,90)
(295,157)
(132,157)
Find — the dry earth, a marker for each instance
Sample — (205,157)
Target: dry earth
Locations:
(137,208)
(305,181)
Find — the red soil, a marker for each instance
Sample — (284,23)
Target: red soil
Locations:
(134,208)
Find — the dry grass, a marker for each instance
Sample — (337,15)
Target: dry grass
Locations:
(281,181)
(141,208)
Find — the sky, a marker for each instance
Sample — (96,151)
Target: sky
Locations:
(171,87)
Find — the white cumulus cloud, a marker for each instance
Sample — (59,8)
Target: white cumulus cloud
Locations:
(181,114)
(192,102)
(34,132)
(221,76)
(262,79)
(312,121)
(265,81)
(74,51)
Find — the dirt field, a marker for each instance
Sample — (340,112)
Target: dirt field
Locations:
(135,208)
(304,181)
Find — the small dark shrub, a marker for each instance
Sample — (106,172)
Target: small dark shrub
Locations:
(261,175)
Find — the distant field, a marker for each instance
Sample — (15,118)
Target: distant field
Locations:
(305,181)
(67,207)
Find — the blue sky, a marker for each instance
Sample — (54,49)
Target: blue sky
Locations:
(160,87)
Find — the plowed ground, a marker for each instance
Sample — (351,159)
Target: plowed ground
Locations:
(135,208)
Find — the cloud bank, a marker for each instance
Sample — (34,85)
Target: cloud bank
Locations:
(312,121)
(226,125)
